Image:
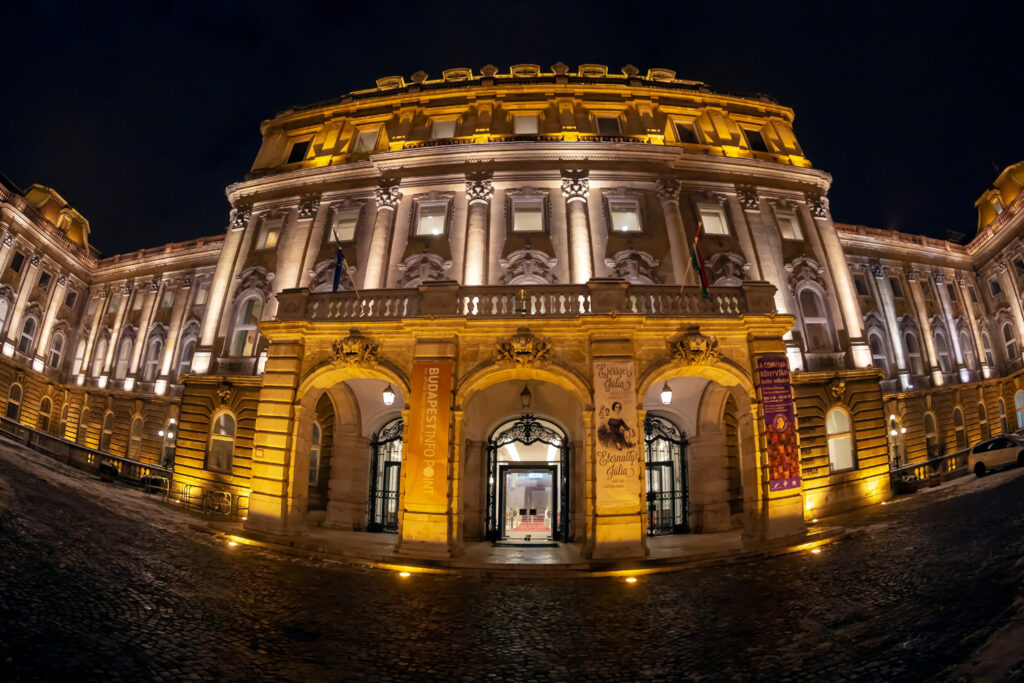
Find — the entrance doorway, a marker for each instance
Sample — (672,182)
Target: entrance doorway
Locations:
(528,482)
(667,502)
(385,477)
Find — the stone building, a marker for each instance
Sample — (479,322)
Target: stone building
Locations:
(520,347)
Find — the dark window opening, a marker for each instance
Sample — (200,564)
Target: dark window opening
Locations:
(298,153)
(17,261)
(756,141)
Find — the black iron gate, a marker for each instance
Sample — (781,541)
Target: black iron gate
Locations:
(668,505)
(385,477)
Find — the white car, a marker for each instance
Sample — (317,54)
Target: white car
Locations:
(1002,450)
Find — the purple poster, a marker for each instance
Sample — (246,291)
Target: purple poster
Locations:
(780,422)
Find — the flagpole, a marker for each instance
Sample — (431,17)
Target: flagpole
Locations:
(692,254)
(340,261)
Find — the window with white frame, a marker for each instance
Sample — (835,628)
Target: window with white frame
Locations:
(28,335)
(712,220)
(789,226)
(967,348)
(99,357)
(124,358)
(525,124)
(817,334)
(959,429)
(76,365)
(986,346)
(442,128)
(270,231)
(221,444)
(56,350)
(942,351)
(527,214)
(151,368)
(431,217)
(913,353)
(245,333)
(137,300)
(314,454)
(840,439)
(608,125)
(366,141)
(878,356)
(1010,343)
(188,349)
(343,225)
(625,215)
(202,292)
(986,433)
(13,403)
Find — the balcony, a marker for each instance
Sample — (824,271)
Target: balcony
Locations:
(598,297)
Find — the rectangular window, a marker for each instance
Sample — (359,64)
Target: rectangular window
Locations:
(71,299)
(951,291)
(713,220)
(926,289)
(1018,266)
(789,226)
(17,261)
(137,300)
(993,286)
(997,204)
(861,285)
(528,215)
(973,293)
(366,141)
(167,298)
(430,219)
(298,151)
(269,232)
(608,125)
(343,227)
(92,306)
(439,130)
(685,132)
(625,215)
(755,140)
(525,124)
(44,280)
(115,303)
(897,287)
(202,292)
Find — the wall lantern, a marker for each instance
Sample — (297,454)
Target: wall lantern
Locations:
(666,395)
(388,396)
(526,398)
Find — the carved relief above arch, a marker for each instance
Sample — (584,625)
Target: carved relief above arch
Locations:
(419,268)
(523,349)
(634,266)
(254,278)
(727,268)
(694,348)
(528,267)
(355,349)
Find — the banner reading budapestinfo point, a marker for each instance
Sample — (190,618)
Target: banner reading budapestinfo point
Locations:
(780,422)
(426,447)
(618,441)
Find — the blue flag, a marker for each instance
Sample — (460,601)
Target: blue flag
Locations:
(337,268)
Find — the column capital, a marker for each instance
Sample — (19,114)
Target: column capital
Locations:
(387,194)
(877,269)
(818,204)
(308,205)
(241,218)
(938,277)
(154,284)
(479,188)
(8,238)
(911,275)
(62,279)
(668,189)
(747,196)
(575,185)
(126,288)
(35,259)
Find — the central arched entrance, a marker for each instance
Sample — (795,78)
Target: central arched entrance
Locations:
(528,482)
(385,477)
(668,508)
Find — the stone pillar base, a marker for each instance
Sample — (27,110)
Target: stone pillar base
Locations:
(781,516)
(425,534)
(618,537)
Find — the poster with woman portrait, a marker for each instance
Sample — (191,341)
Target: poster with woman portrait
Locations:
(618,441)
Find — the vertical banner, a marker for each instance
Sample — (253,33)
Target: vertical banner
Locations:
(425,452)
(618,442)
(780,422)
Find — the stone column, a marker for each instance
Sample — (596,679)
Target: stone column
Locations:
(375,273)
(885,296)
(750,214)
(178,314)
(576,189)
(101,305)
(46,327)
(927,342)
(1006,281)
(6,243)
(25,287)
(479,191)
(219,287)
(954,338)
(145,321)
(115,341)
(979,347)
(668,194)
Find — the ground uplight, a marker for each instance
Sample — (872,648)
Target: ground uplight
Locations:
(232,543)
(630,579)
(404,575)
(816,551)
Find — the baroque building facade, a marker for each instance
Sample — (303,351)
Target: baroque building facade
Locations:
(519,342)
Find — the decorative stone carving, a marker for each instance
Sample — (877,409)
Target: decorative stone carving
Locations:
(241,219)
(877,269)
(727,268)
(308,206)
(635,267)
(560,69)
(939,278)
(747,197)
(355,349)
(387,194)
(154,285)
(668,189)
(35,259)
(837,387)
(575,185)
(420,268)
(1002,267)
(528,267)
(911,275)
(255,277)
(479,188)
(694,348)
(62,279)
(186,281)
(802,269)
(126,288)
(817,204)
(8,239)
(224,393)
(523,349)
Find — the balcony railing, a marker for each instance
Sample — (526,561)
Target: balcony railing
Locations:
(598,297)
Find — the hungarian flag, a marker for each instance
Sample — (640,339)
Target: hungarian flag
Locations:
(697,262)
(339,263)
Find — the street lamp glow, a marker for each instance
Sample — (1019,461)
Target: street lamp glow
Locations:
(666,395)
(388,395)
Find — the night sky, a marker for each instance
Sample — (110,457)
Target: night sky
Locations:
(141,114)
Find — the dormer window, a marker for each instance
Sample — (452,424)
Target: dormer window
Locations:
(608,125)
(299,151)
(685,133)
(443,129)
(755,140)
(366,141)
(343,225)
(431,218)
(625,215)
(528,214)
(997,204)
(525,124)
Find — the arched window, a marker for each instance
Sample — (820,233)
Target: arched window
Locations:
(958,428)
(1010,343)
(817,336)
(314,454)
(14,403)
(28,335)
(106,432)
(1002,417)
(222,443)
(968,350)
(124,358)
(913,353)
(840,439)
(245,335)
(63,427)
(43,419)
(931,437)
(99,357)
(942,351)
(188,349)
(878,357)
(151,369)
(986,345)
(56,350)
(135,439)
(1018,404)
(76,365)
(986,433)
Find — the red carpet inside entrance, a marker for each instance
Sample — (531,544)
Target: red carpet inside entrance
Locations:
(532,527)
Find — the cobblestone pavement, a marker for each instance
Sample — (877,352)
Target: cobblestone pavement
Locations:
(98,582)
